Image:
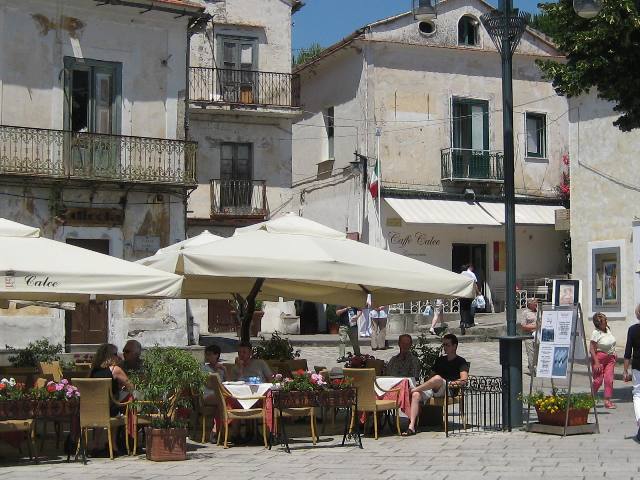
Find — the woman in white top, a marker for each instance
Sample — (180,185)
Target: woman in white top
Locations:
(603,357)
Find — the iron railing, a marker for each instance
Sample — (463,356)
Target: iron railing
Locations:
(476,407)
(244,87)
(467,164)
(450,305)
(239,198)
(39,152)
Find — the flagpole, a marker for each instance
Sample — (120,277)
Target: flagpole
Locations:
(378,135)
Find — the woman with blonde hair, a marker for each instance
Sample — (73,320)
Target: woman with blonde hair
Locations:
(603,357)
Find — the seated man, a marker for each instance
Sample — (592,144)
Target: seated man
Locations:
(246,366)
(405,363)
(448,368)
(131,353)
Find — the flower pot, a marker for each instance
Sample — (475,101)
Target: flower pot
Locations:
(166,444)
(333,328)
(576,417)
(256,323)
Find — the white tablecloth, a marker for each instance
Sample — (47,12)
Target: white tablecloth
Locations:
(389,382)
(246,390)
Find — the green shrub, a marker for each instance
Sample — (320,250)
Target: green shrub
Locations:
(427,354)
(167,381)
(275,348)
(35,352)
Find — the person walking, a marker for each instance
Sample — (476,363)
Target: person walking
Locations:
(355,314)
(378,328)
(466,315)
(529,325)
(342,313)
(438,310)
(632,356)
(603,357)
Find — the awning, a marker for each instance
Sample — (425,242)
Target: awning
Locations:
(455,212)
(525,214)
(447,212)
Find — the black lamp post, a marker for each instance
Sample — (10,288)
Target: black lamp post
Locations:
(506,26)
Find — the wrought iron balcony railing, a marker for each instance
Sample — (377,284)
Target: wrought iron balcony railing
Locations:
(40,152)
(239,198)
(468,164)
(243,87)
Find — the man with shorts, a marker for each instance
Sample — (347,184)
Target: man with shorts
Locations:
(449,369)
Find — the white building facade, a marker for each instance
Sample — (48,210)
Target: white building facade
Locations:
(425,98)
(93,150)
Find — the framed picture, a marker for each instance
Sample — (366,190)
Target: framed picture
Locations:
(604,277)
(566,292)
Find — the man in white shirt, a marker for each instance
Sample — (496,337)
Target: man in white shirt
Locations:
(466,315)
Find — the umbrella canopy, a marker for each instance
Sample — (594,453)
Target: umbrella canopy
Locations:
(302,259)
(167,258)
(37,268)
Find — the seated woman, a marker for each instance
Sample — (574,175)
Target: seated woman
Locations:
(212,365)
(106,365)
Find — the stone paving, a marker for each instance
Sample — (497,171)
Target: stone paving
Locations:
(611,454)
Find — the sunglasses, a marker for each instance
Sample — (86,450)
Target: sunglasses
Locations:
(126,351)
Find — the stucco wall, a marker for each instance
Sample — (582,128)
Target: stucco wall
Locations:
(37,35)
(605,199)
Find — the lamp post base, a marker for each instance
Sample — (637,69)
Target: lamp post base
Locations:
(511,361)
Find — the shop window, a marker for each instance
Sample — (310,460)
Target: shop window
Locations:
(536,135)
(605,279)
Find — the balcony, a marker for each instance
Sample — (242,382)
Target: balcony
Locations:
(239,199)
(225,86)
(461,164)
(61,154)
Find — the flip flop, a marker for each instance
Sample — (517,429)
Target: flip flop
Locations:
(609,404)
(408,433)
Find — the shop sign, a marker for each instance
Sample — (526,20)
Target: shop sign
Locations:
(563,217)
(95,217)
(420,239)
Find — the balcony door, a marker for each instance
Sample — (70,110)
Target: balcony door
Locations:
(470,139)
(238,77)
(236,177)
(92,106)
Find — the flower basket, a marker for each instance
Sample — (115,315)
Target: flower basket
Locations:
(16,409)
(295,399)
(337,398)
(577,416)
(166,444)
(57,408)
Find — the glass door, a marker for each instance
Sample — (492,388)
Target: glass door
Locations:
(470,154)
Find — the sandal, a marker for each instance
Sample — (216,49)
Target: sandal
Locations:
(609,404)
(408,433)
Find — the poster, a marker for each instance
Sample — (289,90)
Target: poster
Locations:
(555,343)
(610,282)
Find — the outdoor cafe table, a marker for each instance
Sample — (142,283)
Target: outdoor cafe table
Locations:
(242,389)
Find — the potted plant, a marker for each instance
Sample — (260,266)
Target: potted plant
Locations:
(275,348)
(332,319)
(168,379)
(26,361)
(552,409)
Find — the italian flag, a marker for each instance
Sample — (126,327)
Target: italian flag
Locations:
(374,182)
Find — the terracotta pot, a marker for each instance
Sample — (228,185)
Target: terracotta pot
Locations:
(576,417)
(333,328)
(256,323)
(166,444)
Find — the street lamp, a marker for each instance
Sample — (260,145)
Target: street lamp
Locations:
(587,8)
(424,9)
(505,27)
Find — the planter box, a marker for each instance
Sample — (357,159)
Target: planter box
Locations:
(17,409)
(166,444)
(57,408)
(576,417)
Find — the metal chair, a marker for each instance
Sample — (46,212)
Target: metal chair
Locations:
(364,380)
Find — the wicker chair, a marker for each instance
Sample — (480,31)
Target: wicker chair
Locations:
(95,399)
(27,426)
(364,380)
(376,364)
(237,413)
(51,368)
(205,411)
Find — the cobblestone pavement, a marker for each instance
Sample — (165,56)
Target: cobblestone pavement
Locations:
(611,454)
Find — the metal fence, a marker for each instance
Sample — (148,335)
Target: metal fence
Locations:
(468,164)
(238,198)
(450,306)
(94,156)
(248,87)
(476,407)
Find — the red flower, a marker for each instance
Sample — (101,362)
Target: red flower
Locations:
(3,386)
(300,371)
(51,388)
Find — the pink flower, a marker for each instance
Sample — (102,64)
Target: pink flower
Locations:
(64,381)
(59,387)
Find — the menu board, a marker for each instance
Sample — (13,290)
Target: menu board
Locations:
(555,343)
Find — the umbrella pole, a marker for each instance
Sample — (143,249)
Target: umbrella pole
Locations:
(250,302)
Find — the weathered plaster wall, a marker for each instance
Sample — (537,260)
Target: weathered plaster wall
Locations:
(36,35)
(605,199)
(270,138)
(267,20)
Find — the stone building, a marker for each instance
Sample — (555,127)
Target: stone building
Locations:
(605,213)
(425,99)
(242,101)
(92,148)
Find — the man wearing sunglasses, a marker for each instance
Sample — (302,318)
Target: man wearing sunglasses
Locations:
(449,368)
(131,353)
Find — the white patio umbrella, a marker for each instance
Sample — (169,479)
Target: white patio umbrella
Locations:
(302,259)
(37,268)
(167,258)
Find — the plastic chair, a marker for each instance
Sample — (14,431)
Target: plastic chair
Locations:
(95,399)
(237,413)
(364,379)
(52,368)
